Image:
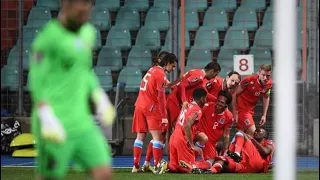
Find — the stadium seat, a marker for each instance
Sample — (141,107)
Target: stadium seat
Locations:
(38,17)
(264,38)
(26,88)
(100,17)
(192,19)
(104,75)
(163,4)
(140,5)
(200,5)
(131,76)
(148,37)
(245,18)
(128,18)
(268,18)
(98,39)
(228,5)
(140,57)
(119,38)
(112,5)
(257,5)
(28,36)
(216,18)
(9,78)
(207,38)
(261,56)
(53,5)
(157,18)
(169,39)
(236,39)
(199,58)
(111,58)
(225,58)
(299,60)
(13,59)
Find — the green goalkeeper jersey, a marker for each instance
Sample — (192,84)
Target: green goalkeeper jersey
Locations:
(61,74)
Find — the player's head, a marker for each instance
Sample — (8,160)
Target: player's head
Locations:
(212,70)
(233,79)
(159,57)
(264,73)
(200,96)
(168,62)
(224,99)
(75,13)
(260,134)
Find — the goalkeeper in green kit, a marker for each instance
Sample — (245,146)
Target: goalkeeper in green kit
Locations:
(62,82)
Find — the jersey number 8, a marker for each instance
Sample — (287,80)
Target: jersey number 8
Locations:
(143,86)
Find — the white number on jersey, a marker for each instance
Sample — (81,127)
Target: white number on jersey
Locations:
(182,117)
(145,80)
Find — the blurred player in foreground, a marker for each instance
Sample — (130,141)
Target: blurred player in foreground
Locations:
(62,82)
(246,155)
(215,85)
(150,112)
(248,94)
(181,143)
(215,123)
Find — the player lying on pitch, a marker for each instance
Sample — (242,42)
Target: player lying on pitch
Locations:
(181,144)
(150,113)
(245,155)
(215,85)
(247,95)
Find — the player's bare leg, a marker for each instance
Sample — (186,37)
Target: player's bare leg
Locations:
(250,130)
(137,150)
(157,147)
(201,139)
(101,173)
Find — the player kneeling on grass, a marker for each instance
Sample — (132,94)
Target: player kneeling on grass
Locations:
(181,144)
(150,112)
(61,83)
(215,123)
(245,155)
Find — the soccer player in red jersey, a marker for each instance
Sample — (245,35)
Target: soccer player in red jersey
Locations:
(248,94)
(215,123)
(150,112)
(214,86)
(256,154)
(182,93)
(181,141)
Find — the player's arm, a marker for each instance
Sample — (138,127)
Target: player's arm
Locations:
(226,134)
(188,83)
(161,83)
(264,151)
(266,101)
(188,132)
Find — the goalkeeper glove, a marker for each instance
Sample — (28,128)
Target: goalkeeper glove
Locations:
(51,127)
(104,109)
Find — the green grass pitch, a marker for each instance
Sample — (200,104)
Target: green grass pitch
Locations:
(27,173)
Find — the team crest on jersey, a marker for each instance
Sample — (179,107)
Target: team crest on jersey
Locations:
(221,121)
(245,83)
(195,79)
(257,93)
(195,115)
(38,57)
(251,82)
(209,84)
(247,122)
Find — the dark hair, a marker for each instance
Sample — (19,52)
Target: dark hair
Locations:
(266,134)
(227,95)
(160,57)
(199,93)
(168,59)
(213,65)
(234,72)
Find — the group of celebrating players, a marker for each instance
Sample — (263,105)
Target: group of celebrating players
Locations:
(197,112)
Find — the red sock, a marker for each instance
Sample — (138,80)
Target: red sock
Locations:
(137,149)
(149,154)
(232,147)
(203,165)
(239,140)
(157,151)
(216,168)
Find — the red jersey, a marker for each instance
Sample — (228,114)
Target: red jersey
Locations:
(268,159)
(253,91)
(214,86)
(183,90)
(212,124)
(152,90)
(192,111)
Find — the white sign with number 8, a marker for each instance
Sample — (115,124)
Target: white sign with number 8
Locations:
(243,64)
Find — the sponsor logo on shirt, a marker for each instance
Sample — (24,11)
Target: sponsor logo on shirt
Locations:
(209,84)
(195,79)
(257,93)
(221,121)
(247,122)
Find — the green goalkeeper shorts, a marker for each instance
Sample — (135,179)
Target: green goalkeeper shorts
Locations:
(88,151)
